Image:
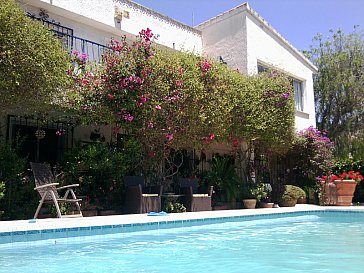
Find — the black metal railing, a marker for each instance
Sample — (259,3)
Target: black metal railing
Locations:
(70,42)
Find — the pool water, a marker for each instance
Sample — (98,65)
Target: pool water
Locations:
(321,242)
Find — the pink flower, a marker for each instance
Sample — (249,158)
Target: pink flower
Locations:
(169,136)
(158,107)
(110,96)
(142,99)
(60,132)
(150,125)
(179,83)
(85,81)
(205,65)
(128,117)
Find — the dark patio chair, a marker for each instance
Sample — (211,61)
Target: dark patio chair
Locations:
(46,186)
(141,199)
(195,198)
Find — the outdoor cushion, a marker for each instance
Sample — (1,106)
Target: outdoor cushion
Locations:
(200,195)
(150,194)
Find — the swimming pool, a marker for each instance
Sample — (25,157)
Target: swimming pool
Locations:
(298,242)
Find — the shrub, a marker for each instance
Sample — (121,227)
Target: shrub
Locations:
(293,193)
(175,207)
(310,156)
(99,169)
(19,200)
(33,61)
(348,164)
(2,190)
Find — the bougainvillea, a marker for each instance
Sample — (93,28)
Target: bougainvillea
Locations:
(310,156)
(175,100)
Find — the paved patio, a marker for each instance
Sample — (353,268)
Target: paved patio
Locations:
(56,223)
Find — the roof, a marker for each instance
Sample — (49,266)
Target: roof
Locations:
(160,15)
(246,8)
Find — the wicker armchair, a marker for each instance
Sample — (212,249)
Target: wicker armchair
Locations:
(195,198)
(141,199)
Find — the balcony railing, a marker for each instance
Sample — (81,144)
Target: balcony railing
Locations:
(70,42)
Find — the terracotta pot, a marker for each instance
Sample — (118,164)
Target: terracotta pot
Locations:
(267,205)
(220,207)
(288,203)
(345,192)
(250,203)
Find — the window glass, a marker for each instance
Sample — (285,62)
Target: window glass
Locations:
(298,94)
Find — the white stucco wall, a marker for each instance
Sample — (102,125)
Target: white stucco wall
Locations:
(94,20)
(226,37)
(243,39)
(265,47)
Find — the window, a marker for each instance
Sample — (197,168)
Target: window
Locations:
(298,94)
(297,88)
(262,68)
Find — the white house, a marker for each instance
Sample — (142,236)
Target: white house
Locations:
(245,41)
(240,37)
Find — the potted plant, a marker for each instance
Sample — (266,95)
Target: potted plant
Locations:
(223,178)
(266,200)
(345,184)
(290,196)
(253,193)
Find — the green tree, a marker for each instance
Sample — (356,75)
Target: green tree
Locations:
(339,89)
(33,63)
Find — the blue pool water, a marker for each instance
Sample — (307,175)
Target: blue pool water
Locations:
(318,242)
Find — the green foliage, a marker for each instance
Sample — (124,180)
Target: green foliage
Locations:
(99,169)
(293,193)
(222,176)
(175,207)
(2,189)
(65,208)
(175,100)
(264,110)
(311,156)
(346,165)
(339,89)
(19,201)
(33,63)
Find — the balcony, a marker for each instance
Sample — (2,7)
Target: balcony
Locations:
(69,41)
(73,43)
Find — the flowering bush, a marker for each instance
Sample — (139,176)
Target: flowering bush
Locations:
(175,100)
(310,156)
(351,175)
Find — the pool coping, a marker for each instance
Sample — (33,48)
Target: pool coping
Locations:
(64,223)
(54,229)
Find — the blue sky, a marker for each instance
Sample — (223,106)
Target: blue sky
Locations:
(297,20)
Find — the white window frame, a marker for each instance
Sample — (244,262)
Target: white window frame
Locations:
(299,98)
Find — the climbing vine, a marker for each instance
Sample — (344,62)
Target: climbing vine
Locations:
(175,100)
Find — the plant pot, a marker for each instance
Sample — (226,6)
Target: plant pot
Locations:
(267,205)
(288,203)
(109,212)
(250,203)
(220,207)
(90,213)
(345,192)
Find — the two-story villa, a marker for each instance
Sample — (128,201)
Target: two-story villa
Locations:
(239,37)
